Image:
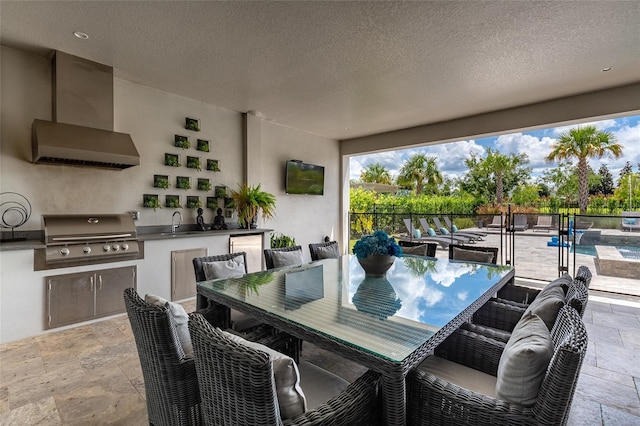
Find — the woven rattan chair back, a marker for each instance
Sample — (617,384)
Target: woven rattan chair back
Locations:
(493,250)
(313,248)
(170,380)
(584,274)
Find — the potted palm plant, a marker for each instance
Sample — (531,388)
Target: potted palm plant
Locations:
(248,201)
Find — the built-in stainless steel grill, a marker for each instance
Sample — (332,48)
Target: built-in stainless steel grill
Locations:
(73,240)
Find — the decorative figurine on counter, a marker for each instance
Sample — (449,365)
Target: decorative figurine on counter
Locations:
(218,221)
(200,221)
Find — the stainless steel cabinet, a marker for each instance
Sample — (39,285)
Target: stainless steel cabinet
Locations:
(73,298)
(183,279)
(250,244)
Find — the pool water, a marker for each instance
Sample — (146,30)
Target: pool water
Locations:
(628,252)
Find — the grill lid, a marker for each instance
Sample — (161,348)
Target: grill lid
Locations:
(68,229)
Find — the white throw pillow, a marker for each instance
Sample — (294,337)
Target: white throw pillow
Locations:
(524,361)
(286,258)
(328,252)
(224,268)
(291,399)
(180,320)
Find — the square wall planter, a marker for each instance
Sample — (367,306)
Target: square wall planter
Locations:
(192,124)
(182,141)
(212,203)
(172,201)
(202,145)
(161,181)
(150,200)
(204,184)
(172,160)
(193,202)
(183,182)
(193,163)
(213,165)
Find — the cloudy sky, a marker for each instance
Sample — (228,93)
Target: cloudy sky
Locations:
(536,144)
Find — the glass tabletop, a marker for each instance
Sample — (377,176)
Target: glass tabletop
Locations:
(387,316)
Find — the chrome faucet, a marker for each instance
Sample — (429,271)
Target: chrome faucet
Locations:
(173,224)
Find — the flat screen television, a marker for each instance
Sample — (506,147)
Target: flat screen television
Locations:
(304,178)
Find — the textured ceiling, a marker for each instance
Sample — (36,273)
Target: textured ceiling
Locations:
(346,69)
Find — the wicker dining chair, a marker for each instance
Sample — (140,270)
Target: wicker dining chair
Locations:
(324,250)
(268,255)
(237,386)
(170,381)
(437,401)
(217,314)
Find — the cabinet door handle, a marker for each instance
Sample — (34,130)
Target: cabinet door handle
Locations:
(99,282)
(91,283)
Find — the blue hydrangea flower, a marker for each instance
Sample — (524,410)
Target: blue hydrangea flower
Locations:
(377,243)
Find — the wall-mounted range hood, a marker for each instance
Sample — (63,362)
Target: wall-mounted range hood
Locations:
(81,132)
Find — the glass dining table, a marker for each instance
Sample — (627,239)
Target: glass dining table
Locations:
(388,324)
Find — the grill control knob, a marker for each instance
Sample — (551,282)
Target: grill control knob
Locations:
(106,247)
(64,251)
(86,250)
(124,246)
(115,247)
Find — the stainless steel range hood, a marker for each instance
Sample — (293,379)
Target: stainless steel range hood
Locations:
(81,132)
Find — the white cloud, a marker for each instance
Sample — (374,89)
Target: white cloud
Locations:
(536,145)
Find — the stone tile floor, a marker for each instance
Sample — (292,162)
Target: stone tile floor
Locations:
(91,375)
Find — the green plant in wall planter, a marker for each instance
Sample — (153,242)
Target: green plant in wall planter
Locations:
(202,145)
(281,241)
(213,165)
(173,202)
(193,202)
(204,184)
(221,191)
(182,141)
(194,163)
(183,182)
(151,201)
(161,181)
(192,124)
(212,203)
(172,160)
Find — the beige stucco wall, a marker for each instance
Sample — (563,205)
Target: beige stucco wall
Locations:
(153,117)
(308,218)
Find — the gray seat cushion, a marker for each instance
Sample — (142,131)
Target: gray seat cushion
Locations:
(460,375)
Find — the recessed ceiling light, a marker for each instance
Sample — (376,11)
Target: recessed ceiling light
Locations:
(80,35)
(606,69)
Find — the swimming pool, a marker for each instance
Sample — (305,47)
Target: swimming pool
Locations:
(628,252)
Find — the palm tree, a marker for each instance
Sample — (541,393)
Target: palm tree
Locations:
(420,172)
(498,164)
(376,173)
(584,143)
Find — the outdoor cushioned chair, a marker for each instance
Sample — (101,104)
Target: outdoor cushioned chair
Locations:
(520,222)
(498,317)
(170,381)
(476,380)
(444,233)
(454,228)
(280,257)
(444,242)
(245,384)
(222,266)
(328,250)
(544,224)
(443,230)
(498,222)
(474,253)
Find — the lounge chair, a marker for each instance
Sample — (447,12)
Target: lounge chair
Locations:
(431,232)
(520,222)
(448,230)
(498,222)
(544,224)
(444,242)
(630,221)
(454,229)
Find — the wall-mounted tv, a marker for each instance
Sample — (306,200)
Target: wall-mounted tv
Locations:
(304,178)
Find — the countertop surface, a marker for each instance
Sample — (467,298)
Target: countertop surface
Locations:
(31,244)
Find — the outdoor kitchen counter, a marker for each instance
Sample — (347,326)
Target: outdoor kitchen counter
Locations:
(152,236)
(22,245)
